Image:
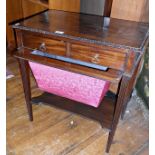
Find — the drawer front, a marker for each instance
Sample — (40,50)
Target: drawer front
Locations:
(44,44)
(113,58)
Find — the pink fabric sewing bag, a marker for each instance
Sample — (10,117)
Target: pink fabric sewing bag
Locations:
(81,88)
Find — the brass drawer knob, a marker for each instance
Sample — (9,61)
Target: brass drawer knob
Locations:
(42,47)
(95,59)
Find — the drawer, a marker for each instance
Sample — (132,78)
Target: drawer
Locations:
(52,46)
(111,75)
(112,58)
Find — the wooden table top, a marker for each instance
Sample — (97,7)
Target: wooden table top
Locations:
(88,28)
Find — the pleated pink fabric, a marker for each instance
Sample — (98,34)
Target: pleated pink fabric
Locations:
(81,88)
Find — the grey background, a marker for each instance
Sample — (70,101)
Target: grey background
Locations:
(95,7)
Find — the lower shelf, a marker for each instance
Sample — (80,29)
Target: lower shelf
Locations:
(103,114)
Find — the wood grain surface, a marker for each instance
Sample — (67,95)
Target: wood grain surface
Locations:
(134,10)
(65,5)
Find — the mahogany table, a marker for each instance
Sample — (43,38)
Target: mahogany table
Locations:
(119,48)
